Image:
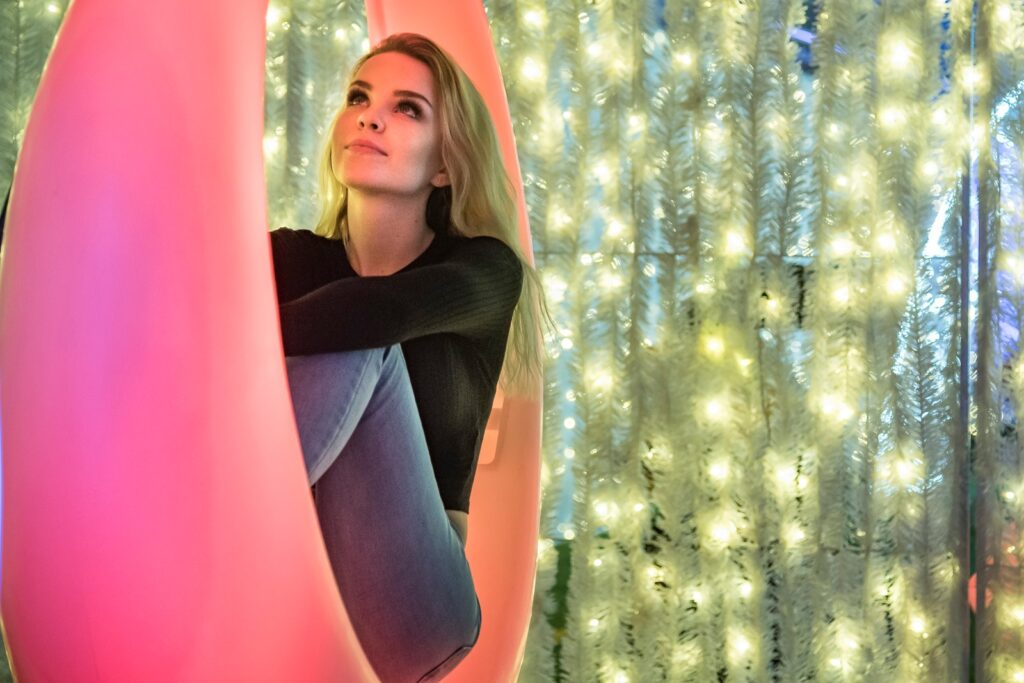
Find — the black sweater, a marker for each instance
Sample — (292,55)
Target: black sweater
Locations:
(450,309)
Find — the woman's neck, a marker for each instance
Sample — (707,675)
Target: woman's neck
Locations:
(385,232)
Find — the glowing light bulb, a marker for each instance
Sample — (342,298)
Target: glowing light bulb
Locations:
(1004,12)
(531,69)
(741,644)
(735,242)
(841,245)
(795,534)
(601,379)
(639,507)
(899,54)
(534,18)
(785,474)
(601,509)
(746,588)
(271,144)
(597,562)
(719,471)
(684,59)
(569,423)
(895,285)
(722,532)
(273,15)
(715,409)
(841,294)
(714,345)
(892,117)
(594,623)
(611,281)
(885,242)
(917,625)
(697,597)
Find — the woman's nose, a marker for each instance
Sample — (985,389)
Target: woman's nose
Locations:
(370,118)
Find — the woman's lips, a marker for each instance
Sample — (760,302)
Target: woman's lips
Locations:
(365,148)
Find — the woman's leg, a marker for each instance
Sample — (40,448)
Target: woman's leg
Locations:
(398,561)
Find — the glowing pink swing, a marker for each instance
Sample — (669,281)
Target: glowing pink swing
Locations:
(157,523)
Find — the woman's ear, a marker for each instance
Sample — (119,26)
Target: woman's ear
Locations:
(440,179)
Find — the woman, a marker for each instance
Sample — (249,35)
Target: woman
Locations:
(396,312)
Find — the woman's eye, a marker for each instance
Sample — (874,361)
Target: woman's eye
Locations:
(409,107)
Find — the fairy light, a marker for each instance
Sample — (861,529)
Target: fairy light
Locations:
(716,410)
(893,117)
(532,69)
(841,246)
(895,284)
(785,475)
(600,379)
(841,295)
(719,471)
(885,242)
(534,18)
(271,143)
(735,243)
(899,54)
(714,345)
(834,406)
(611,281)
(746,588)
(684,58)
(739,644)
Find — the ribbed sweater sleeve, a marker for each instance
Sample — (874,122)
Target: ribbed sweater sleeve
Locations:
(472,292)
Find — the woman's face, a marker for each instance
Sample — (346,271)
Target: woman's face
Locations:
(388,138)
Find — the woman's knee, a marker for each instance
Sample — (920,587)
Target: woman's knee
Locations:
(455,657)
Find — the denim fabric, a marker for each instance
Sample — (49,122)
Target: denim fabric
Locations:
(396,556)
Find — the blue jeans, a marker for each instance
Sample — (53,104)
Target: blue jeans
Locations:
(398,561)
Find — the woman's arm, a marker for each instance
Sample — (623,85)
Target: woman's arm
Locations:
(472,292)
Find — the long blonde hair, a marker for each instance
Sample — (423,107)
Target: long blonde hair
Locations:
(479,201)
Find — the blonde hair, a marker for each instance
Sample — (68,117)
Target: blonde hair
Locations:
(479,201)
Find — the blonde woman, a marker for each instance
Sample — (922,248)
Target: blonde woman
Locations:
(396,314)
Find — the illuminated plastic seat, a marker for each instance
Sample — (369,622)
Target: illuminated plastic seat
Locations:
(157,522)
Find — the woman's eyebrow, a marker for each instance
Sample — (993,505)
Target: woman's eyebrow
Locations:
(401,93)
